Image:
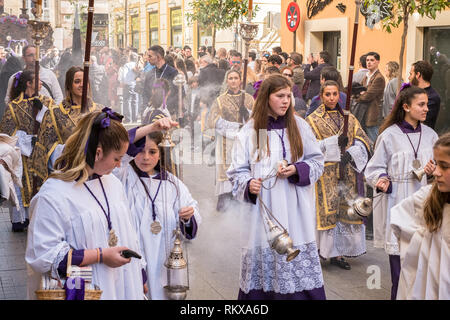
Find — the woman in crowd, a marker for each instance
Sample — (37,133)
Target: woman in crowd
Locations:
(228,113)
(390,92)
(22,119)
(339,234)
(58,124)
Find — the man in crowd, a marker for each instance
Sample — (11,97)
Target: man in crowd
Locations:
(210,78)
(221,54)
(275,61)
(420,75)
(276,50)
(362,72)
(127,78)
(295,62)
(236,60)
(50,84)
(375,83)
(187,53)
(164,71)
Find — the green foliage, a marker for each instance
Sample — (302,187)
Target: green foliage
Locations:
(402,9)
(221,14)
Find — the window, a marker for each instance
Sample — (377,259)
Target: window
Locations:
(153,20)
(205,37)
(176,28)
(120,27)
(135,31)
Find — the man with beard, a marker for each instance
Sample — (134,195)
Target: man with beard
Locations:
(420,76)
(161,71)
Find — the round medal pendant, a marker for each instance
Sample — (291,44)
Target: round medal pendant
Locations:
(416,164)
(112,241)
(155,227)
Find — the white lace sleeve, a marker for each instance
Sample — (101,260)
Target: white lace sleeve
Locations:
(359,155)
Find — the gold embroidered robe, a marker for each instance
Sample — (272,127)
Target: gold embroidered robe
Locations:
(226,106)
(56,127)
(329,207)
(19,116)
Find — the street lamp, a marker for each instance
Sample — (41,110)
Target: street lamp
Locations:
(248,32)
(40,30)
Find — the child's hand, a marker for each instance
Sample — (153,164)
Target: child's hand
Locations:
(186,213)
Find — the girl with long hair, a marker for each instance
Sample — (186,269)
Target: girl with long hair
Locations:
(22,119)
(338,233)
(403,147)
(277,158)
(421,224)
(158,201)
(58,124)
(83,207)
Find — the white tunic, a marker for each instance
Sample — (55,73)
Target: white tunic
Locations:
(394,156)
(293,206)
(425,256)
(155,246)
(65,215)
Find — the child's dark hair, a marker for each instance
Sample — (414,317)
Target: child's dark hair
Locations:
(20,83)
(160,91)
(165,165)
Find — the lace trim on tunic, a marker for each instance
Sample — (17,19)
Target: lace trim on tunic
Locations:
(347,240)
(63,250)
(392,248)
(267,270)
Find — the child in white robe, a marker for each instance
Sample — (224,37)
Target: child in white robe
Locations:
(158,201)
(421,224)
(404,144)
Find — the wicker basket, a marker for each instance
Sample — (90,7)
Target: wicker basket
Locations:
(60,294)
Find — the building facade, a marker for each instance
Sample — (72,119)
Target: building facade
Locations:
(61,14)
(330,27)
(144,23)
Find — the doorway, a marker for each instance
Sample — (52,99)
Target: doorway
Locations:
(436,50)
(332,44)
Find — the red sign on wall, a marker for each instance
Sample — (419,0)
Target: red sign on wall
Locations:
(292,16)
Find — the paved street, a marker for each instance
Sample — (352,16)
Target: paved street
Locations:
(213,256)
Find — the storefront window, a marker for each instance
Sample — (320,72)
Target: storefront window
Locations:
(120,27)
(176,27)
(153,28)
(205,37)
